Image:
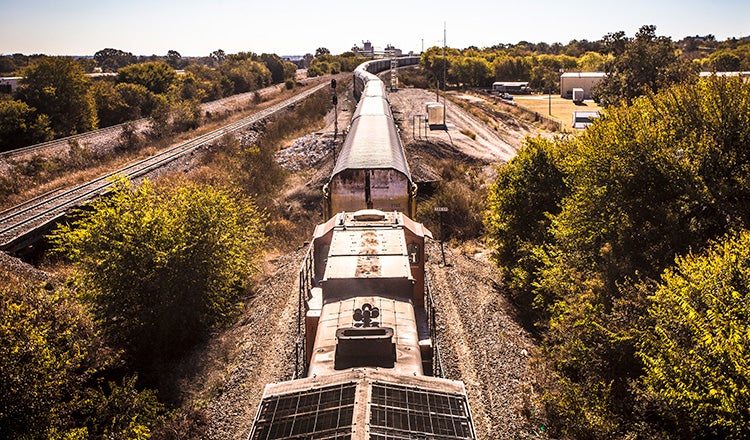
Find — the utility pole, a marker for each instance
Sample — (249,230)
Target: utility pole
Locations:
(549,99)
(445,68)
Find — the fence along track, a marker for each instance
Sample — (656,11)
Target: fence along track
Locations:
(19,223)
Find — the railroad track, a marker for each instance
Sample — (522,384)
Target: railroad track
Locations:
(140,125)
(77,138)
(24,223)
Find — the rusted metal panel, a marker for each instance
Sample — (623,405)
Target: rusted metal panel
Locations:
(384,189)
(389,190)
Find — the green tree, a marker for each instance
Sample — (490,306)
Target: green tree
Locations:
(275,65)
(592,62)
(646,183)
(472,72)
(246,75)
(110,107)
(218,57)
(161,269)
(157,77)
(20,125)
(174,59)
(110,60)
(58,88)
(512,69)
(44,340)
(696,354)
(724,61)
(139,100)
(209,81)
(433,61)
(647,64)
(50,356)
(521,203)
(7,66)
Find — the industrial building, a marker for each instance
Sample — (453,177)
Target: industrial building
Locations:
(579,80)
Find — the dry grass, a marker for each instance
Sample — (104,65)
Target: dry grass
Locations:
(561,109)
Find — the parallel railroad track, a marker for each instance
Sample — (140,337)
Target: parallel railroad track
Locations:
(18,224)
(139,125)
(66,141)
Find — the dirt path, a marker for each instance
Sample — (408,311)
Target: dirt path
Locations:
(487,144)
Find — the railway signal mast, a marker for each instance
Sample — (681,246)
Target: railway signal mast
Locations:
(335,101)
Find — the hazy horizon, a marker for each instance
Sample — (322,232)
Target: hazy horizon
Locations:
(195,29)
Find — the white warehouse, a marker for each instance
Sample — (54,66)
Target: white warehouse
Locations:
(579,80)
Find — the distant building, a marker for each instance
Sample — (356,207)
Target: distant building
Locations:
(579,80)
(9,84)
(582,119)
(744,75)
(391,51)
(366,51)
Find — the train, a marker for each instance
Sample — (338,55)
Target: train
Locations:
(367,359)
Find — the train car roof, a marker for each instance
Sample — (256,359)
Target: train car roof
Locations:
(374,107)
(372,143)
(365,404)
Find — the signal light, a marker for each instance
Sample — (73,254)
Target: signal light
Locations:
(333,83)
(335,100)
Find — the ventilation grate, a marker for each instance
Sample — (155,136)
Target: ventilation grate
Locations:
(401,413)
(322,414)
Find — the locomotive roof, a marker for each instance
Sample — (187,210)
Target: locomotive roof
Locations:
(393,313)
(372,143)
(365,404)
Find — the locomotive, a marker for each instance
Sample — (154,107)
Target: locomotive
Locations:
(367,359)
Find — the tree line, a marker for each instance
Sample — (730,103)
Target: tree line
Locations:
(56,99)
(540,64)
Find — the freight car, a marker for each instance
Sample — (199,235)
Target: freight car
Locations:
(371,171)
(366,351)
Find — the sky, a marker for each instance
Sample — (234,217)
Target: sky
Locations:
(297,27)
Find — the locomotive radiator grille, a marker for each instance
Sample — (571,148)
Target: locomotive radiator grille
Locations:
(399,412)
(323,413)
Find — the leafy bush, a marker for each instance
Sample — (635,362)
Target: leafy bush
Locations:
(583,228)
(57,87)
(696,358)
(521,204)
(50,355)
(20,126)
(160,269)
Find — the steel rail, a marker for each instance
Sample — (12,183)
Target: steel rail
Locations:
(23,151)
(66,140)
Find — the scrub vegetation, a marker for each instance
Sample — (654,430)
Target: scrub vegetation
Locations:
(624,250)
